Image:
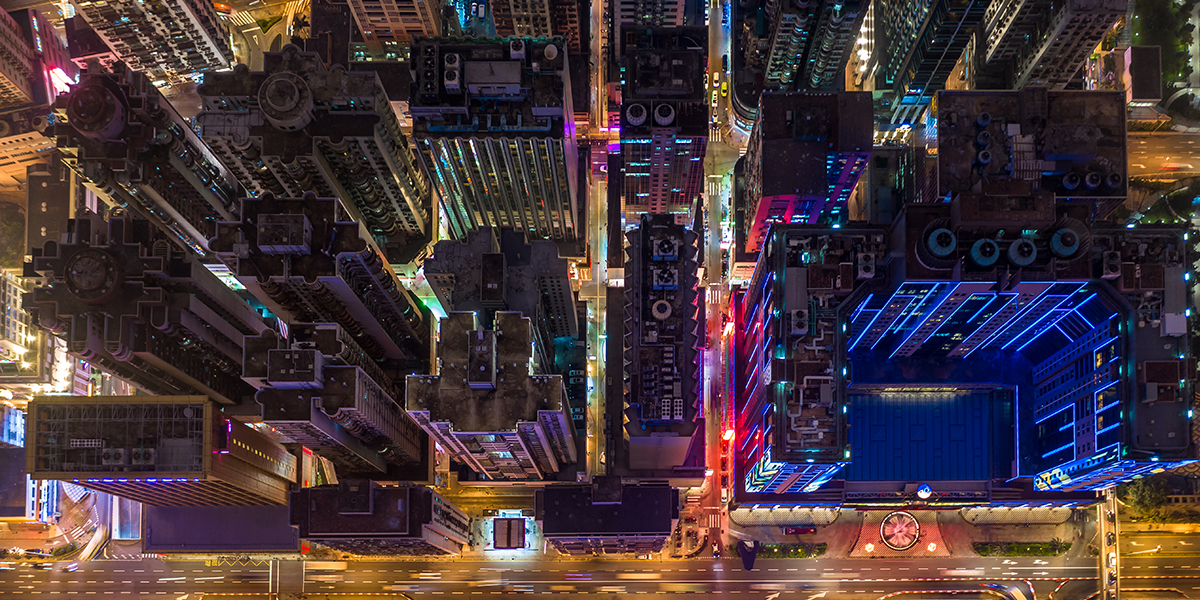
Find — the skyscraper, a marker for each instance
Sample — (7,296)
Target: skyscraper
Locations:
(496,270)
(133,150)
(791,434)
(16,64)
(522,18)
(661,322)
(169,42)
(388,26)
(53,72)
(319,388)
(805,155)
(124,300)
(307,265)
(362,517)
(1042,43)
(486,408)
(607,516)
(158,450)
(25,141)
(328,131)
(664,120)
(509,161)
(808,42)
(918,44)
(639,14)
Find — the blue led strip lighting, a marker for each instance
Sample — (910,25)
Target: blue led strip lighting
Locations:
(1021,312)
(1059,449)
(914,306)
(1039,321)
(927,316)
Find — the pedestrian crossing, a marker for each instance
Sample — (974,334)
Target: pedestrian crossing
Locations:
(241,19)
(78,531)
(246,18)
(141,556)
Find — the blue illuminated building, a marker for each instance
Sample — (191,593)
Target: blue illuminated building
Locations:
(1008,345)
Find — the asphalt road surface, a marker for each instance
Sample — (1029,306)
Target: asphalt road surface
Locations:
(796,578)
(776,578)
(1167,154)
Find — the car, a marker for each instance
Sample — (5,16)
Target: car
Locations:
(43,566)
(725,62)
(575,373)
(724,88)
(1112,560)
(799,530)
(6,566)
(575,380)
(716,550)
(643,557)
(1111,538)
(1110,516)
(71,568)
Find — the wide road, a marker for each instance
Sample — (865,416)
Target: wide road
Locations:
(1164,154)
(795,578)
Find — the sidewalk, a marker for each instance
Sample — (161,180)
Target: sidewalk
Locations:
(957,533)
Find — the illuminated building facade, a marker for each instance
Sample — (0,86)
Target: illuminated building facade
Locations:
(918,45)
(664,120)
(487,409)
(495,131)
(640,14)
(158,450)
(661,322)
(790,348)
(169,42)
(17,64)
(808,42)
(133,150)
(24,142)
(522,18)
(1007,345)
(53,72)
(298,126)
(388,26)
(824,139)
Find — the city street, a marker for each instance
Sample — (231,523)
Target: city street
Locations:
(800,578)
(1163,154)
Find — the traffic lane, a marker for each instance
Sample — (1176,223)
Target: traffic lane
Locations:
(1147,154)
(866,588)
(1157,564)
(105,576)
(1168,542)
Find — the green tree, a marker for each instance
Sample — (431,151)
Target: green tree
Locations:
(12,236)
(1145,495)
